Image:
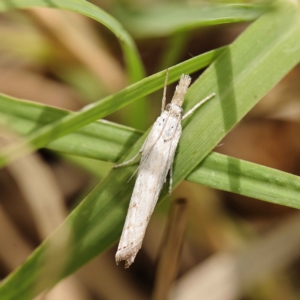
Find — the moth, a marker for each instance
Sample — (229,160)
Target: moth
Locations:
(157,158)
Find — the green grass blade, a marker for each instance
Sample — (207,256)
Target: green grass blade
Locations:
(254,63)
(109,141)
(165,19)
(131,55)
(102,140)
(248,179)
(100,109)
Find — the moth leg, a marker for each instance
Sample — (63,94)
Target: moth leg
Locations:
(188,113)
(133,158)
(133,174)
(163,104)
(128,161)
(171,179)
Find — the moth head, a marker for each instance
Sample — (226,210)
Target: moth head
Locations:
(181,89)
(174,109)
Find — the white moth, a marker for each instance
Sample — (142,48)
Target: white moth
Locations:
(158,153)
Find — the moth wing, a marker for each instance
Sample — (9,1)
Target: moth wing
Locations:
(157,157)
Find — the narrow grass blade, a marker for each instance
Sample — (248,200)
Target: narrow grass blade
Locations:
(248,179)
(102,140)
(131,55)
(108,141)
(100,109)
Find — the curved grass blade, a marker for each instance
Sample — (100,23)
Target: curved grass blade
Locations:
(132,59)
(131,55)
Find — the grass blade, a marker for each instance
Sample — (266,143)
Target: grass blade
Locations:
(247,179)
(131,55)
(108,141)
(100,109)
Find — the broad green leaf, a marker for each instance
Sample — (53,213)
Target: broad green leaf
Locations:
(131,55)
(245,72)
(109,141)
(168,18)
(100,109)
